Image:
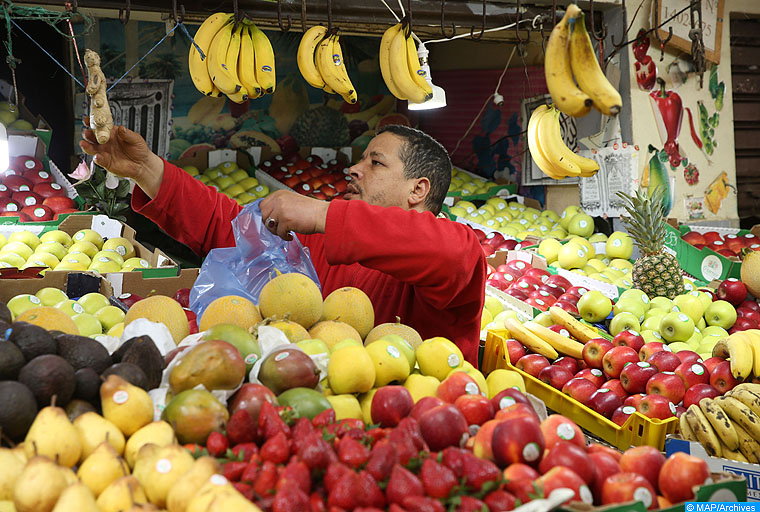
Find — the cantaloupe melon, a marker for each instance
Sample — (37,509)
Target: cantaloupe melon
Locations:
(293,331)
(293,297)
(162,309)
(352,306)
(406,332)
(332,331)
(230,309)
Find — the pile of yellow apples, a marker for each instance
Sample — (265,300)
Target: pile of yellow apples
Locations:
(468,185)
(232,181)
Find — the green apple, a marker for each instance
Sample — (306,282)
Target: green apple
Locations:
(203,179)
(403,346)
(635,293)
(662,303)
(593,306)
(715,330)
(630,305)
(25,237)
(12,259)
(70,307)
(111,255)
(701,324)
(54,248)
(23,302)
(19,248)
(92,302)
(695,340)
(650,336)
(708,343)
(689,286)
(613,273)
(656,312)
(624,266)
(567,214)
(248,183)
(623,282)
(345,343)
(104,265)
(619,245)
(459,212)
(78,257)
(551,214)
(191,170)
(133,263)
(313,347)
(597,237)
(121,245)
(233,190)
(88,325)
(704,298)
(653,323)
(493,305)
(585,244)
(50,296)
(581,224)
(239,337)
(544,318)
(238,175)
(42,259)
(89,235)
(624,321)
(678,346)
(467,205)
(84,246)
(260,191)
(69,263)
(109,316)
(245,198)
(720,313)
(676,326)
(228,167)
(572,255)
(597,265)
(599,277)
(213,173)
(507,313)
(57,235)
(497,202)
(690,305)
(224,182)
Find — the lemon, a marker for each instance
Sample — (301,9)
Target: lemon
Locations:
(438,356)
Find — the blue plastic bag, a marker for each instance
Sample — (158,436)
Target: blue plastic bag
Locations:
(244,269)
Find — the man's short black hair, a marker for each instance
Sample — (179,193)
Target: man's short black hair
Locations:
(423,156)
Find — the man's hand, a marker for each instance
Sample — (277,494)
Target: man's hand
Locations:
(127,155)
(284,211)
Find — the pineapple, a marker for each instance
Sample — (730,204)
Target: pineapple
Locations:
(656,272)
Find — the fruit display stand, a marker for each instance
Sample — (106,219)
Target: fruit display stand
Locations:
(305,171)
(139,284)
(74,284)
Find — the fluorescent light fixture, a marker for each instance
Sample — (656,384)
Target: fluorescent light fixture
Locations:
(439,95)
(4,156)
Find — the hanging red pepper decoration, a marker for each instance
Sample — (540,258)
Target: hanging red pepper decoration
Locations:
(694,135)
(646,68)
(669,115)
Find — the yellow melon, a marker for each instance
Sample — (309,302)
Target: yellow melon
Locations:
(293,331)
(49,318)
(406,332)
(161,309)
(292,297)
(230,309)
(352,306)
(332,331)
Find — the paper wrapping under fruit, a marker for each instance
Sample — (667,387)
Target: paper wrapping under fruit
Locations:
(271,339)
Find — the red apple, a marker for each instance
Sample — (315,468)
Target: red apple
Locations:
(514,411)
(627,487)
(59,204)
(568,363)
(22,217)
(628,338)
(604,465)
(604,401)
(508,244)
(570,455)
(517,293)
(17,183)
(508,397)
(538,273)
(735,244)
(128,299)
(645,461)
(532,364)
(593,374)
(517,439)
(559,281)
(495,238)
(578,291)
(711,362)
(667,384)
(495,283)
(49,190)
(9,205)
(515,350)
(616,358)
(250,397)
(555,376)
(38,176)
(664,361)
(519,480)
(391,404)
(621,414)
(650,348)
(441,426)
(26,198)
(567,306)
(634,377)
(481,442)
(476,409)
(742,324)
(749,304)
(717,245)
(527,283)
(5,191)
(732,290)
(694,238)
(26,163)
(423,404)
(565,478)
(456,385)
(697,392)
(722,379)
(518,265)
(749,239)
(552,289)
(594,351)
(749,314)
(692,374)
(680,474)
(488,251)
(557,428)
(616,387)
(634,400)
(38,212)
(657,406)
(688,356)
(560,330)
(580,389)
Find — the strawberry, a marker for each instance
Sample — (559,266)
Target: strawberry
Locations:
(334,472)
(402,483)
(217,444)
(276,449)
(369,492)
(411,426)
(324,418)
(500,500)
(422,504)
(250,473)
(300,431)
(375,434)
(265,503)
(313,450)
(403,444)
(317,502)
(248,449)
(290,499)
(266,479)
(343,493)
(395,508)
(296,473)
(522,489)
(241,428)
(233,470)
(437,479)
(244,489)
(368,509)
(270,423)
(470,504)
(382,458)
(479,471)
(453,458)
(352,453)
(354,433)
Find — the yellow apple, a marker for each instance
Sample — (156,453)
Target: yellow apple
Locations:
(25,237)
(90,235)
(248,183)
(619,245)
(42,259)
(57,235)
(84,246)
(121,245)
(111,255)
(11,259)
(103,265)
(19,248)
(133,263)
(54,248)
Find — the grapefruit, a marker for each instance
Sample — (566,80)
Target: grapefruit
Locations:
(333,331)
(352,306)
(161,309)
(230,309)
(293,297)
(49,318)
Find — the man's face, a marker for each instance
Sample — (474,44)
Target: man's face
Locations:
(378,178)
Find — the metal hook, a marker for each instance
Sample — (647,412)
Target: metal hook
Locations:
(443,30)
(601,35)
(517,27)
(329,15)
(303,15)
(124,13)
(625,33)
(181,17)
(409,15)
(72,6)
(554,12)
(482,26)
(657,33)
(279,17)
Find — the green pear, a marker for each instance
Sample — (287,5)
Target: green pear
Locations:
(126,406)
(159,433)
(169,465)
(121,495)
(101,468)
(93,429)
(76,497)
(38,486)
(12,468)
(53,436)
(188,484)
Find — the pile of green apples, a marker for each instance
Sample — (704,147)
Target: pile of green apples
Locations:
(232,181)
(57,250)
(469,185)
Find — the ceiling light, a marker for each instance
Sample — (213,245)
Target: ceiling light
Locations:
(439,95)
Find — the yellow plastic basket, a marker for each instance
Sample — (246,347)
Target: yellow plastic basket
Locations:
(638,430)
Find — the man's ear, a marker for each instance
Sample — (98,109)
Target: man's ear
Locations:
(419,193)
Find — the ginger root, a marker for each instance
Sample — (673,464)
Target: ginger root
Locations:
(101,120)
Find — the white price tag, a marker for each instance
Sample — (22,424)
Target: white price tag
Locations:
(221,155)
(106,227)
(326,154)
(255,152)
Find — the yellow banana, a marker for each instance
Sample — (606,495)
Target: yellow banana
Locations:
(305,56)
(217,55)
(740,355)
(720,349)
(231,64)
(246,67)
(732,454)
(720,422)
(385,60)
(747,397)
(580,331)
(265,72)
(551,143)
(587,71)
(742,415)
(748,446)
(400,71)
(703,430)
(351,97)
(530,340)
(559,76)
(198,68)
(749,386)
(415,71)
(686,430)
(328,68)
(535,149)
(753,338)
(560,343)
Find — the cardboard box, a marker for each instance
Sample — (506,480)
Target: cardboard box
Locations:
(10,225)
(33,144)
(138,284)
(75,284)
(210,158)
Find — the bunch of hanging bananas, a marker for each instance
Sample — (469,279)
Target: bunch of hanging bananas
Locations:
(742,349)
(569,53)
(549,151)
(320,60)
(727,426)
(239,60)
(400,66)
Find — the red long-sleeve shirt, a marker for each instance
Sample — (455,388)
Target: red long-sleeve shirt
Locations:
(430,272)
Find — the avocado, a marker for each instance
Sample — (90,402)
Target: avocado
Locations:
(32,340)
(17,409)
(49,375)
(129,372)
(76,408)
(5,313)
(4,326)
(11,360)
(82,352)
(141,351)
(87,386)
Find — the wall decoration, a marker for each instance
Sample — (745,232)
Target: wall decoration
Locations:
(679,70)
(717,89)
(656,175)
(707,126)
(691,174)
(618,172)
(717,192)
(646,69)
(712,25)
(668,113)
(695,207)
(694,135)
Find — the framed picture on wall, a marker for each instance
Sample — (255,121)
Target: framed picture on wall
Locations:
(531,174)
(712,25)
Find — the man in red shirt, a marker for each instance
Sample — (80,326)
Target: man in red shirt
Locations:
(427,271)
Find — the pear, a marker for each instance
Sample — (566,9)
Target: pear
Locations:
(214,488)
(158,432)
(53,436)
(38,486)
(94,429)
(12,468)
(7,506)
(159,476)
(76,497)
(188,484)
(121,495)
(126,406)
(68,475)
(229,500)
(20,452)
(144,507)
(101,468)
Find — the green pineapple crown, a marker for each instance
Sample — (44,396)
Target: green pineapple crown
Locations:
(646,213)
